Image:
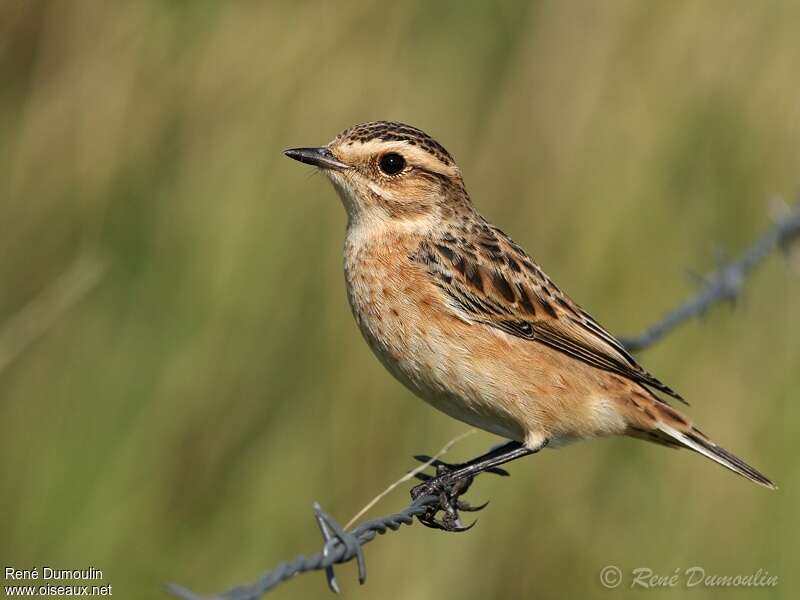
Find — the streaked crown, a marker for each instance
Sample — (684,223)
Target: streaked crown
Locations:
(391,131)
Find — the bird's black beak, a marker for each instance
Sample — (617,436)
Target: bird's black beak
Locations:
(319,157)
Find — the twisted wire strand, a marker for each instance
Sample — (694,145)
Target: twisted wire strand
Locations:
(341,546)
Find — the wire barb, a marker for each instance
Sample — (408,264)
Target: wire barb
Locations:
(332,532)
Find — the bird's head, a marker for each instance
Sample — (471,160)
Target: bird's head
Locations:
(386,170)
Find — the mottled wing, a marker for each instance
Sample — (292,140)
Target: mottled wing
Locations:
(491,280)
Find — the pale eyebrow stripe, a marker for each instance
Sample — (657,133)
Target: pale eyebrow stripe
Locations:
(411,152)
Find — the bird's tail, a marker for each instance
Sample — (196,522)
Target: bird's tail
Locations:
(664,425)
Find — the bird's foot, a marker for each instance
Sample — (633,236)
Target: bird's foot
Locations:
(448,486)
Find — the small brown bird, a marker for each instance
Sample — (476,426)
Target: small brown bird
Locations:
(465,318)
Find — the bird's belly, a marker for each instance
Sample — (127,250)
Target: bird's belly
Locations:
(434,373)
(429,355)
(475,375)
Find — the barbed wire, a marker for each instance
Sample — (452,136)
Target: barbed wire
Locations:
(724,284)
(340,547)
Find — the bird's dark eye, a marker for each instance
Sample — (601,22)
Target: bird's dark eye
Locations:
(392,163)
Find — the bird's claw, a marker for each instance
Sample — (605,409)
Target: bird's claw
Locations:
(450,520)
(467,507)
(447,524)
(448,491)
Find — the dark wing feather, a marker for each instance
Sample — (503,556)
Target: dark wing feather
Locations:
(491,280)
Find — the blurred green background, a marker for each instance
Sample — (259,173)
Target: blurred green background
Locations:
(180,376)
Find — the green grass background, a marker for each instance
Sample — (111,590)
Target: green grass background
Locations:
(178,421)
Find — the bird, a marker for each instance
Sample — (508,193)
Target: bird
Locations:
(469,322)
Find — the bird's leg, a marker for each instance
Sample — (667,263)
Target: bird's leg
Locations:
(452,481)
